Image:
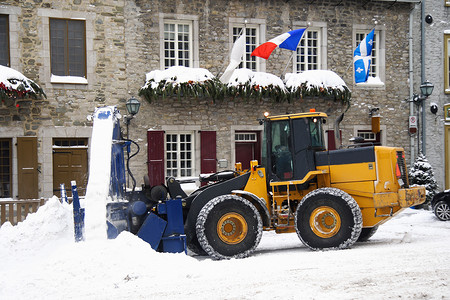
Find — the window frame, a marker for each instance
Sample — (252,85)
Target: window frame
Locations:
(10,166)
(194,29)
(177,42)
(67,82)
(380,45)
(367,128)
(248,62)
(260,26)
(322,28)
(7,34)
(14,27)
(192,158)
(305,47)
(447,63)
(67,48)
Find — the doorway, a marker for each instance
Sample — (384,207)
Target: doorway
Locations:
(70,163)
(247,147)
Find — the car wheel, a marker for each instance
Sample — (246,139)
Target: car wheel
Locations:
(442,210)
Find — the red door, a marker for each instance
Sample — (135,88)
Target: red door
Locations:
(245,152)
(247,147)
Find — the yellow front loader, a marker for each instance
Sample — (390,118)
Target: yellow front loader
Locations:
(330,198)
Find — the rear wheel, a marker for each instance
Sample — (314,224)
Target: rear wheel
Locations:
(442,211)
(229,226)
(367,233)
(328,218)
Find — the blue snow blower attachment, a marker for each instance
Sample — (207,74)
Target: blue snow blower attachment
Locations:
(147,212)
(169,231)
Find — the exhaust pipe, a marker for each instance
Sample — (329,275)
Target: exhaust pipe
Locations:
(337,133)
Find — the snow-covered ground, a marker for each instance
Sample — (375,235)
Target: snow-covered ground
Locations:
(408,258)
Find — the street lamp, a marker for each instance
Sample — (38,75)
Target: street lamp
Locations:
(426,89)
(132,106)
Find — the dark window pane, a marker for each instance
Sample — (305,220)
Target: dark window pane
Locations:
(4,40)
(68,47)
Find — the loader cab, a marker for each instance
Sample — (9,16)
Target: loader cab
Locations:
(290,142)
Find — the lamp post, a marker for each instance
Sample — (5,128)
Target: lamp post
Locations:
(132,106)
(426,89)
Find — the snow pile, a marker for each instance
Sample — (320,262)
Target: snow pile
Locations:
(259,79)
(177,75)
(52,223)
(408,258)
(315,79)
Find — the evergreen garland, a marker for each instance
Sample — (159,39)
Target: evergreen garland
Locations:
(215,89)
(25,88)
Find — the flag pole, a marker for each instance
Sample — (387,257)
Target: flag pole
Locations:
(283,73)
(292,55)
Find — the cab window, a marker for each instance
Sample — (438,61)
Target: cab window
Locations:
(281,150)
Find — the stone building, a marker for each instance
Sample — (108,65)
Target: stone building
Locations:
(86,54)
(432,63)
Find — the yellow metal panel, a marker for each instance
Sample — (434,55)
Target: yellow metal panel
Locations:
(353,172)
(386,160)
(256,184)
(371,220)
(296,116)
(412,196)
(385,200)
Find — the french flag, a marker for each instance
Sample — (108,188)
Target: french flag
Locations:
(288,40)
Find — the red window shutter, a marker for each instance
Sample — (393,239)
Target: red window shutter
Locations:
(155,162)
(208,152)
(331,139)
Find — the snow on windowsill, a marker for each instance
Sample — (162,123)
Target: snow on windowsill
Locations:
(371,82)
(68,79)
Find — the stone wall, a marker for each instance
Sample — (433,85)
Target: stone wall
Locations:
(434,70)
(123,44)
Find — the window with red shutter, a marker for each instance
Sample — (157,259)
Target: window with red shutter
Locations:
(155,161)
(208,152)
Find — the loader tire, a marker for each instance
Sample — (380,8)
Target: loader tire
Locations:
(229,226)
(328,218)
(367,233)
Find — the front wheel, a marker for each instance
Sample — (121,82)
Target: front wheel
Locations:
(229,226)
(442,211)
(328,218)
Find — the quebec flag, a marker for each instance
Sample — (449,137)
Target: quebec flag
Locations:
(362,57)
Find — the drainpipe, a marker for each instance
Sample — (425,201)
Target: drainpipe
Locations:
(411,78)
(422,72)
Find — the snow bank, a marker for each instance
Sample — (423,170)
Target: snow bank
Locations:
(315,79)
(52,223)
(176,75)
(262,79)
(408,258)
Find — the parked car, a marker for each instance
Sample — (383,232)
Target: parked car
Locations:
(441,205)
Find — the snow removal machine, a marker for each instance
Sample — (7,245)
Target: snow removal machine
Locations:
(331,199)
